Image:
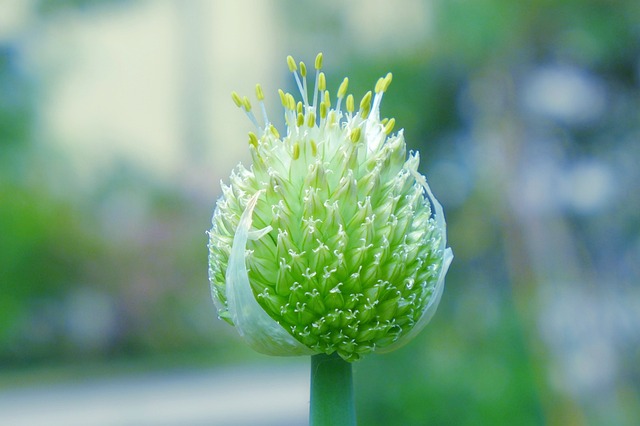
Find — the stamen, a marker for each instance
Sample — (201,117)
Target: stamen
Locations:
(246,106)
(322,82)
(291,102)
(236,99)
(259,92)
(293,68)
(323,111)
(387,81)
(365,105)
(316,86)
(274,131)
(291,63)
(350,104)
(381,86)
(355,135)
(253,140)
(303,73)
(342,91)
(311,119)
(388,128)
(319,61)
(260,96)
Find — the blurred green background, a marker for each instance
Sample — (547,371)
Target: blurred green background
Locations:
(116,126)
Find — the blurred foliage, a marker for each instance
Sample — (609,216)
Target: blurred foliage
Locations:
(43,252)
(78,284)
(46,8)
(454,374)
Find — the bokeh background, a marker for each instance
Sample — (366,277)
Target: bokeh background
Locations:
(116,126)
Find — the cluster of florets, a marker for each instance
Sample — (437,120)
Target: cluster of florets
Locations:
(347,252)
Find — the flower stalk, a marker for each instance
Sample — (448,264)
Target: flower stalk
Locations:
(332,401)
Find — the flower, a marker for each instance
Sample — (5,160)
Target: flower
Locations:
(332,240)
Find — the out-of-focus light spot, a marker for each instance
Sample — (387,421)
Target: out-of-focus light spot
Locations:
(381,26)
(453,182)
(570,323)
(567,94)
(537,192)
(123,215)
(587,187)
(13,17)
(121,90)
(118,98)
(584,187)
(91,319)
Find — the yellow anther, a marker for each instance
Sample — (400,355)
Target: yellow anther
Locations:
(384,121)
(283,98)
(366,100)
(327,98)
(387,81)
(332,119)
(323,110)
(291,63)
(303,69)
(236,99)
(311,119)
(365,105)
(355,135)
(322,82)
(342,90)
(291,103)
(274,131)
(379,85)
(300,120)
(350,103)
(296,151)
(299,107)
(319,61)
(314,148)
(388,128)
(246,104)
(259,92)
(253,139)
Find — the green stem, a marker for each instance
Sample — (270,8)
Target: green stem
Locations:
(332,400)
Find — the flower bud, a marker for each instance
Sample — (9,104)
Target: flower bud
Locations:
(332,240)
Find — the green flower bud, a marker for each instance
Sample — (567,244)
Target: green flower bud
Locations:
(332,240)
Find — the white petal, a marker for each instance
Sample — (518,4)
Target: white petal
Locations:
(254,325)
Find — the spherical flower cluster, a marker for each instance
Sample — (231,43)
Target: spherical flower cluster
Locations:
(332,240)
